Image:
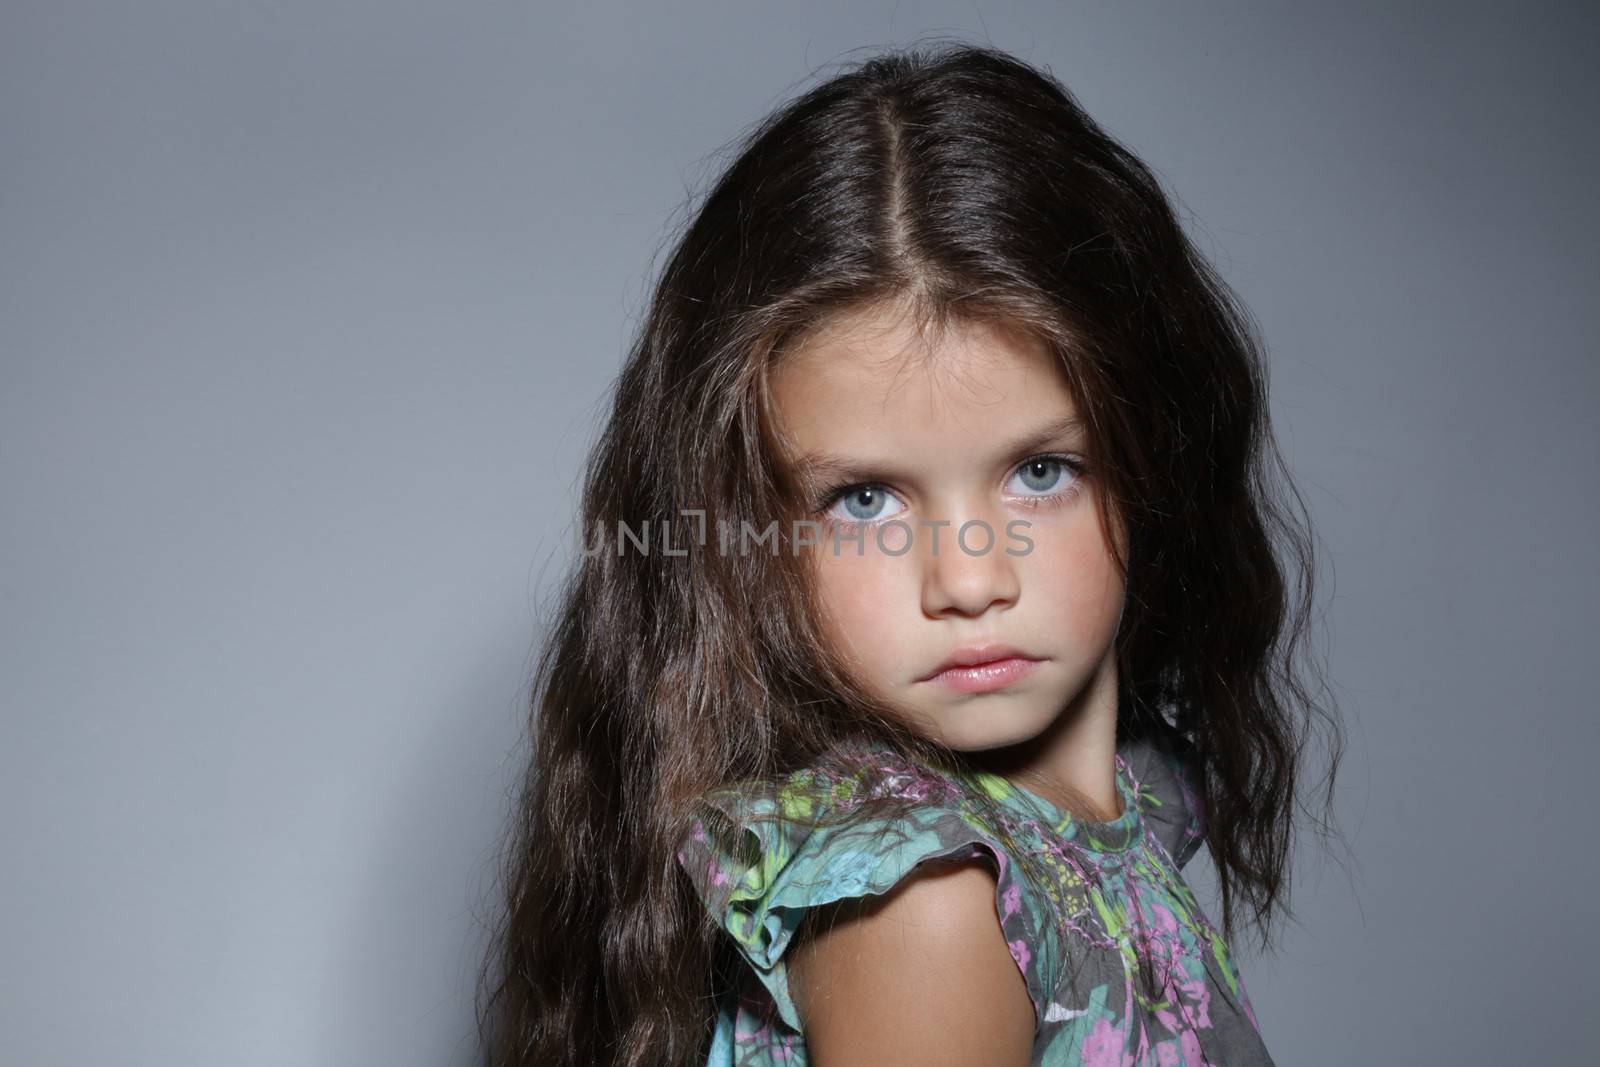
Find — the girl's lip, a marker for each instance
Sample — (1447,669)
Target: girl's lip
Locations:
(976,655)
(984,677)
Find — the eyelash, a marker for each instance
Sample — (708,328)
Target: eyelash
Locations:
(832,495)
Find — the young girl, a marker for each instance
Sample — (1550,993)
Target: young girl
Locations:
(928,619)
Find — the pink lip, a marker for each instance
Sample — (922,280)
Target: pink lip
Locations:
(987,676)
(981,668)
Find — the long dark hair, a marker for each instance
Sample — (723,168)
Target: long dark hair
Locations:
(962,184)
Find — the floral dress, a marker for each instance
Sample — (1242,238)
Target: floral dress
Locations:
(1115,911)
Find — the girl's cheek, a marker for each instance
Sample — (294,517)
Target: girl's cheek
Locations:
(1071,566)
(858,586)
(868,597)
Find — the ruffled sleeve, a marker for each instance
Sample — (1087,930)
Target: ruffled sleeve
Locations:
(1170,800)
(757,877)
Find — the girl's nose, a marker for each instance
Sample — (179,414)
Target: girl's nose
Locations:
(971,572)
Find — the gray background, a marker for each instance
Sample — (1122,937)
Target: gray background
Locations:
(308,314)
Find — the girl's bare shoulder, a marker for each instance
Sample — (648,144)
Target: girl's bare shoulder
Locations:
(919,974)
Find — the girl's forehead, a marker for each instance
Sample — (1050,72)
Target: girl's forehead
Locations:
(880,370)
(851,408)
(889,333)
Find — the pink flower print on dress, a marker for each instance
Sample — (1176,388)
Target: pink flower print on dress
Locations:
(1010,901)
(1195,988)
(1191,1049)
(1106,1046)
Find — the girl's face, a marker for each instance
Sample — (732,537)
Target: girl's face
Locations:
(897,453)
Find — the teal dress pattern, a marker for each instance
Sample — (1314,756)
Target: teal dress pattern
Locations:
(1115,907)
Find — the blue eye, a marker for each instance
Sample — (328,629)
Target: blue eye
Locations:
(1043,479)
(1044,475)
(862,503)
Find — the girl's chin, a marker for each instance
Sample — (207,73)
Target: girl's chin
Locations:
(977,728)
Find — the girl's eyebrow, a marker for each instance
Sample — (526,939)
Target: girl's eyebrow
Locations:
(816,466)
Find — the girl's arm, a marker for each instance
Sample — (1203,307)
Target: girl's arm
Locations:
(921,974)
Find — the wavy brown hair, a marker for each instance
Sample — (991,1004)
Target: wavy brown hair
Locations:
(960,184)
